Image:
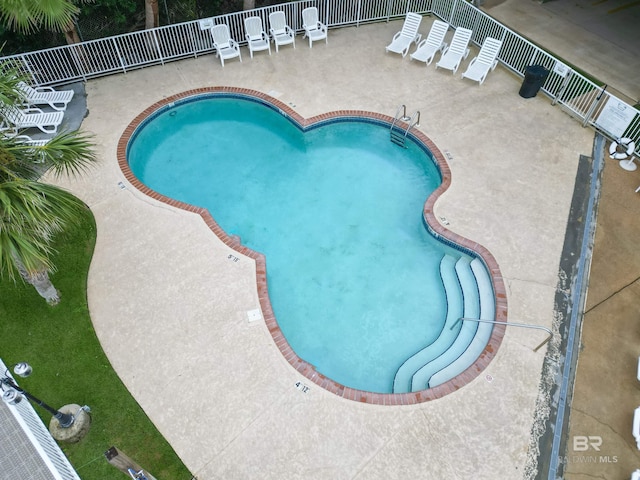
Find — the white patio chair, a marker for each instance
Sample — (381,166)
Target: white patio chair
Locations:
(257,39)
(280,32)
(18,118)
(56,99)
(314,29)
(485,62)
(402,40)
(34,145)
(226,47)
(434,42)
(27,140)
(459,49)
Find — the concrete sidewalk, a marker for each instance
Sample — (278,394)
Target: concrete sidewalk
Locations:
(601,38)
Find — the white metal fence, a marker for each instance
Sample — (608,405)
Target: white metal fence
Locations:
(580,96)
(41,439)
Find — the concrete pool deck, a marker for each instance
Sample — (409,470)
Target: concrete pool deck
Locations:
(170,308)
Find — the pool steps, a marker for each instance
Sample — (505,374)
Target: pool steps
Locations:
(403,379)
(470,295)
(483,334)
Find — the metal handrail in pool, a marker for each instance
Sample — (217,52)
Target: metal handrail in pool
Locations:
(511,324)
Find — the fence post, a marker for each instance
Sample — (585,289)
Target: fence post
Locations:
(453,9)
(115,46)
(26,65)
(123,463)
(563,87)
(155,39)
(593,106)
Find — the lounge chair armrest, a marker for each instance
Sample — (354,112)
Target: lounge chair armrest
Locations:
(32,110)
(396,36)
(466,53)
(44,89)
(421,44)
(495,64)
(24,138)
(472,62)
(443,47)
(417,38)
(322,26)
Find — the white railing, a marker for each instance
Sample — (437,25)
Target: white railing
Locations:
(578,95)
(41,439)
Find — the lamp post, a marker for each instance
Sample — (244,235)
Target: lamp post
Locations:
(14,394)
(70,423)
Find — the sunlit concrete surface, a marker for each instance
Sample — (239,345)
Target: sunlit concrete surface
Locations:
(170,308)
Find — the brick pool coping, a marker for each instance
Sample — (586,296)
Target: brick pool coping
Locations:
(303,367)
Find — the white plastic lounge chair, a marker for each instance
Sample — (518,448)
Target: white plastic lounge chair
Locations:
(226,47)
(313,28)
(485,61)
(434,42)
(30,142)
(17,118)
(409,34)
(56,99)
(459,49)
(257,39)
(27,140)
(280,31)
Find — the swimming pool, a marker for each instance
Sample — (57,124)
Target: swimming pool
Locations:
(354,280)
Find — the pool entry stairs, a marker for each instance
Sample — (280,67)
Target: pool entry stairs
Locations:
(469,295)
(398,134)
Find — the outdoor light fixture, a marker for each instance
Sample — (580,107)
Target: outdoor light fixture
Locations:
(13,394)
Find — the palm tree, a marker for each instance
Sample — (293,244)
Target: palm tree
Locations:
(152,14)
(27,16)
(32,212)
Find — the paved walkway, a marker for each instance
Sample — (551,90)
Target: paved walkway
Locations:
(600,37)
(171,310)
(606,389)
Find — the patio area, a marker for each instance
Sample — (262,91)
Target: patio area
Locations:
(171,310)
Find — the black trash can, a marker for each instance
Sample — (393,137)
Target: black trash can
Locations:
(534,77)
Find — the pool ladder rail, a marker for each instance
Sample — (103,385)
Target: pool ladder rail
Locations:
(399,135)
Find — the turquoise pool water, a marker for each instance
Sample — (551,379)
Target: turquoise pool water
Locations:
(337,210)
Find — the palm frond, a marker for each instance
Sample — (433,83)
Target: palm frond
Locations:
(26,16)
(17,15)
(31,214)
(55,15)
(68,153)
(10,76)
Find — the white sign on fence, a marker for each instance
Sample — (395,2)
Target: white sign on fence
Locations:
(615,117)
(560,69)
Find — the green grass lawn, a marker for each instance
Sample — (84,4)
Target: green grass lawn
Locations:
(69,366)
